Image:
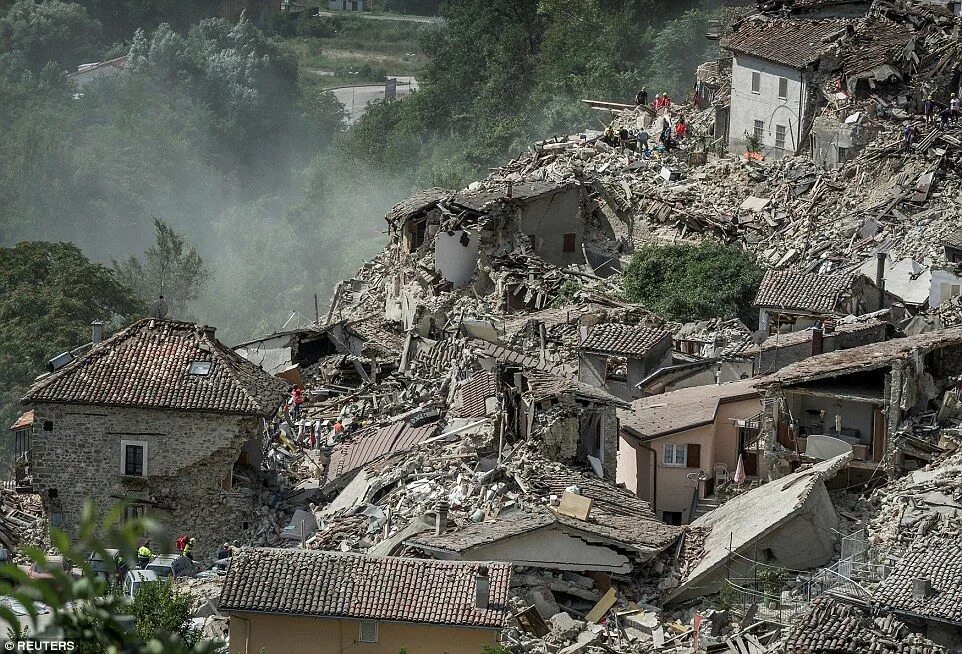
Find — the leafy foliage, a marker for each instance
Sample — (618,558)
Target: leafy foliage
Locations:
(171,267)
(694,282)
(49,295)
(50,31)
(84,610)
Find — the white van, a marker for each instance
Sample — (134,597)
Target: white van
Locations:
(134,579)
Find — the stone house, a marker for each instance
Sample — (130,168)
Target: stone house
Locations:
(576,422)
(161,415)
(293,601)
(773,96)
(780,350)
(788,300)
(674,445)
(861,400)
(617,357)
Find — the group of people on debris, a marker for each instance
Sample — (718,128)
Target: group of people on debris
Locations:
(645,140)
(185,546)
(947,115)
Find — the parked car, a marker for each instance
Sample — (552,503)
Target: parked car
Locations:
(135,579)
(173,566)
(101,568)
(45,570)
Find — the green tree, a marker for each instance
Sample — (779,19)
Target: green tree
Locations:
(50,31)
(49,295)
(160,608)
(84,610)
(694,282)
(171,267)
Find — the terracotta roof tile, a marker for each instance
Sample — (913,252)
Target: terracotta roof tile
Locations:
(148,365)
(831,627)
(371,443)
(359,587)
(793,43)
(685,408)
(787,289)
(473,393)
(25,420)
(625,340)
(418,202)
(940,561)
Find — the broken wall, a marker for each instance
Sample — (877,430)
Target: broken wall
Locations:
(835,142)
(188,455)
(456,256)
(549,219)
(554,549)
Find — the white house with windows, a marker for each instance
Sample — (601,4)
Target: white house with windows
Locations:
(161,415)
(772,66)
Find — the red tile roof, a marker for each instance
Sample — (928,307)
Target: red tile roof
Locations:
(148,364)
(371,443)
(787,289)
(473,393)
(625,340)
(937,559)
(24,420)
(359,587)
(793,43)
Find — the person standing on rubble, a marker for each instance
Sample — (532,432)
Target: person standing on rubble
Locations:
(224,552)
(908,135)
(189,548)
(642,137)
(681,128)
(928,109)
(641,97)
(955,106)
(144,554)
(297,399)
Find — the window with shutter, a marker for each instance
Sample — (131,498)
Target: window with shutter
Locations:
(694,455)
(368,632)
(756,82)
(569,243)
(133,458)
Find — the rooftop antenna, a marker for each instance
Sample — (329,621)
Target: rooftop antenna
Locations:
(158,310)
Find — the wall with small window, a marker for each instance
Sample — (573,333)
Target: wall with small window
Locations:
(945,286)
(283,634)
(555,223)
(170,463)
(766,101)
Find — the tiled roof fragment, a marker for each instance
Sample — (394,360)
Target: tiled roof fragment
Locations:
(625,340)
(787,289)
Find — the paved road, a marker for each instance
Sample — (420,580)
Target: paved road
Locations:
(356,98)
(427,20)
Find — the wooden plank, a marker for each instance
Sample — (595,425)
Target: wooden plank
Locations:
(602,607)
(574,506)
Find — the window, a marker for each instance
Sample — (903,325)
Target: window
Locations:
(534,242)
(569,243)
(759,130)
(780,132)
(200,368)
(671,517)
(756,82)
(134,512)
(133,458)
(782,88)
(676,454)
(368,632)
(842,155)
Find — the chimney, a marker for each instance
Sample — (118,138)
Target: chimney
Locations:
(880,274)
(96,331)
(818,345)
(828,327)
(921,588)
(482,588)
(442,522)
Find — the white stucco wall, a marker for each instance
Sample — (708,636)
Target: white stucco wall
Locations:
(941,289)
(747,107)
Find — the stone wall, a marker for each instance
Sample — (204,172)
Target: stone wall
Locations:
(77,456)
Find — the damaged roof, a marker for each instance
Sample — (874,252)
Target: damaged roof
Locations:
(360,587)
(815,292)
(526,361)
(164,364)
(792,43)
(877,42)
(25,420)
(545,385)
(742,521)
(623,340)
(686,408)
(873,356)
(937,559)
(416,204)
(472,396)
(371,443)
(776,341)
(479,200)
(831,627)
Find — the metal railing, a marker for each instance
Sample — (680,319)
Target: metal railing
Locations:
(772,603)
